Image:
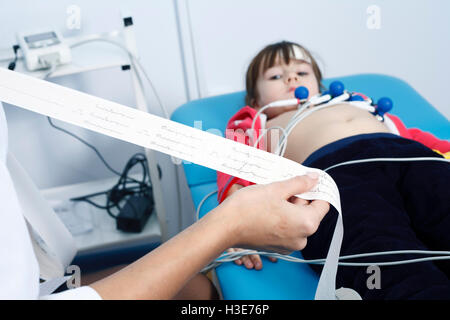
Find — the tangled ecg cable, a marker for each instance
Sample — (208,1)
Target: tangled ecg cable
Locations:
(175,139)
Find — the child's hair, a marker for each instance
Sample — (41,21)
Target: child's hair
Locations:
(267,58)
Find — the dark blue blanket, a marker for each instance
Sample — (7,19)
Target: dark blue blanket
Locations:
(387,206)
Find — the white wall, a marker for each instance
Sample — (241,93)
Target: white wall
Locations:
(53,158)
(49,154)
(412,43)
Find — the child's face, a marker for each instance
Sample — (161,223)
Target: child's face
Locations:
(280,81)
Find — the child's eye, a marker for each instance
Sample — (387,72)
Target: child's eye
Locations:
(302,74)
(275,77)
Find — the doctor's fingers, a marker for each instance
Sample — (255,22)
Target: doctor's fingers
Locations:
(297,200)
(321,207)
(293,186)
(309,216)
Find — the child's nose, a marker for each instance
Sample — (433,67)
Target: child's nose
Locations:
(292,78)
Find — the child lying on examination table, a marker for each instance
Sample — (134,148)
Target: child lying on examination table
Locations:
(385,205)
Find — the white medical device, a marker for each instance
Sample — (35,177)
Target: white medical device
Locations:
(43,49)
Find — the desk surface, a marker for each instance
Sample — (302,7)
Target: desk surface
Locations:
(93,229)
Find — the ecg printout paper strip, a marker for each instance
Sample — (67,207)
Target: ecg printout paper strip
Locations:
(157,133)
(163,135)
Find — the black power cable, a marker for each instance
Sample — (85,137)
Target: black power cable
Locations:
(124,188)
(12,64)
(84,142)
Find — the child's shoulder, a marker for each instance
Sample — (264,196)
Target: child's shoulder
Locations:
(244,113)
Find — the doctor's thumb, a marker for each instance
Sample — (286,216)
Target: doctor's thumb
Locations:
(297,184)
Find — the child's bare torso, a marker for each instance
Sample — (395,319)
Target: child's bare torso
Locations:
(321,128)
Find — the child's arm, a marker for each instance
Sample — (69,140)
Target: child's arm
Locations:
(426,138)
(237,130)
(249,261)
(227,185)
(431,141)
(233,189)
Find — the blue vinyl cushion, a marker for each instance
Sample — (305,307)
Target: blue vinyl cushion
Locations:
(287,280)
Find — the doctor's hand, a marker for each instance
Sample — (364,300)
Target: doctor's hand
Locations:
(266,217)
(270,217)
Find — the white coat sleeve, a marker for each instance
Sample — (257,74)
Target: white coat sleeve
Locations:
(19,269)
(81,293)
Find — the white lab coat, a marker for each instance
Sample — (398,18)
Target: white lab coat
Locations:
(19,268)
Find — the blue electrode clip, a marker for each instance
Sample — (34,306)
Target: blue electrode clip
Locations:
(337,89)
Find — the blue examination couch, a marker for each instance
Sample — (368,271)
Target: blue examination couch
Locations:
(287,280)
